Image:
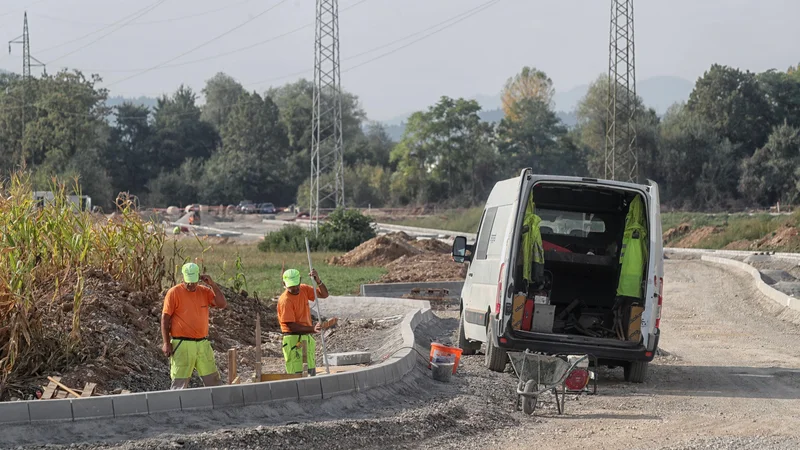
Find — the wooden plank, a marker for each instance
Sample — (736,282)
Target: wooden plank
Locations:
(58,382)
(50,390)
(61,395)
(235,380)
(279,376)
(88,390)
(329,323)
(338,369)
(231,365)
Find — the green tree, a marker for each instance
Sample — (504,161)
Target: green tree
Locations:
(179,132)
(446,153)
(537,139)
(782,93)
(129,156)
(221,93)
(254,150)
(373,147)
(772,173)
(732,102)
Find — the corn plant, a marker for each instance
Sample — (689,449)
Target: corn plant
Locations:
(51,247)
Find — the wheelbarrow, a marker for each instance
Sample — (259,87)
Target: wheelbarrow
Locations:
(542,374)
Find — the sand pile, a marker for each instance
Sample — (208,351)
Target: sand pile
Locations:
(696,237)
(378,251)
(424,267)
(785,239)
(675,233)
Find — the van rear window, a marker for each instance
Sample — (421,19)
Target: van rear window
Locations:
(569,223)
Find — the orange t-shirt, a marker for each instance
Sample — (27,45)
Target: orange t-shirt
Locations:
(294,308)
(189,311)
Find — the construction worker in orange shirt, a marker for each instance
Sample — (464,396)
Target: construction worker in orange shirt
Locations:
(294,316)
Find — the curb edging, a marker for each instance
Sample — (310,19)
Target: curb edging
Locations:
(390,371)
(770,292)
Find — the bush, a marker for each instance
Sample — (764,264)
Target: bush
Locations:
(343,231)
(290,238)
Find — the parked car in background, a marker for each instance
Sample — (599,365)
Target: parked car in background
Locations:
(246,207)
(266,208)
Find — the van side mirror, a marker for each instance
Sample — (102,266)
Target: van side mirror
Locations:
(460,248)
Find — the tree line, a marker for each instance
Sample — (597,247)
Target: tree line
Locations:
(734,143)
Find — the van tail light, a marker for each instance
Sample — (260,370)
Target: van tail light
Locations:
(577,379)
(660,282)
(499,289)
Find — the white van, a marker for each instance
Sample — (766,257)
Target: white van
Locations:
(577,309)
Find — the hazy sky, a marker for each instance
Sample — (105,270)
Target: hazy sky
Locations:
(566,38)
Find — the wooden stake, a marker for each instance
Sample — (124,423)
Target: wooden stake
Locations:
(231,365)
(258,341)
(304,349)
(58,382)
(88,390)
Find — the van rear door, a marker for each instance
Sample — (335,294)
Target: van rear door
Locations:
(651,317)
(488,270)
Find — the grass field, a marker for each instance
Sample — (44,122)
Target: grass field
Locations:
(463,220)
(733,227)
(262,270)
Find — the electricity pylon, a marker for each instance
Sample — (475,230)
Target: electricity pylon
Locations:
(621,153)
(327,150)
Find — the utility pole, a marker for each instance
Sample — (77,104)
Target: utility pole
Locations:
(621,153)
(327,150)
(25,40)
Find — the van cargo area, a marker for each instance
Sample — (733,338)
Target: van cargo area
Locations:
(582,230)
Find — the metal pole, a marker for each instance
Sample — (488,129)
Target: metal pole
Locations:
(319,315)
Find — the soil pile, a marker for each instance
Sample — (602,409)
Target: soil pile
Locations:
(426,267)
(120,338)
(676,233)
(406,259)
(695,237)
(786,239)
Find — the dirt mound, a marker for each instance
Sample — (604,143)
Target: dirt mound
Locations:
(744,244)
(432,245)
(675,233)
(378,251)
(694,237)
(786,238)
(120,337)
(424,267)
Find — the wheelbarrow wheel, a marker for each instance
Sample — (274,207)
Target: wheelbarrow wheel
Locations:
(529,403)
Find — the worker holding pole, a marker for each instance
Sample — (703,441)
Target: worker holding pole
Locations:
(294,315)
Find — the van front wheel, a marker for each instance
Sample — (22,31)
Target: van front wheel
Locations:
(495,356)
(636,371)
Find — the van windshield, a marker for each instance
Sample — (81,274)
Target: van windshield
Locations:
(569,223)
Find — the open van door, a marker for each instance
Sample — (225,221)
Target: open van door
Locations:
(484,289)
(651,319)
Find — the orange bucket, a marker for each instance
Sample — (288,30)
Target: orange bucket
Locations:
(445,352)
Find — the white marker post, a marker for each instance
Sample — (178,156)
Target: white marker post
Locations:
(319,315)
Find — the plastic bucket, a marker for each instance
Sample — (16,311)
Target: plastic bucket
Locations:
(442,371)
(445,355)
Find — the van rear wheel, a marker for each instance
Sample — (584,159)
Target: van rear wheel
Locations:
(636,371)
(495,357)
(467,347)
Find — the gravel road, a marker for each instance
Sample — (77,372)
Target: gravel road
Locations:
(730,379)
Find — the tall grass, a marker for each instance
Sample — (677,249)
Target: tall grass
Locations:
(47,251)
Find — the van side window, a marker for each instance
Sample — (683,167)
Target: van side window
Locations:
(485,232)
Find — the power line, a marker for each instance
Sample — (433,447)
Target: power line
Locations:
(154,6)
(215,38)
(128,17)
(452,21)
(226,53)
(449,23)
(149,22)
